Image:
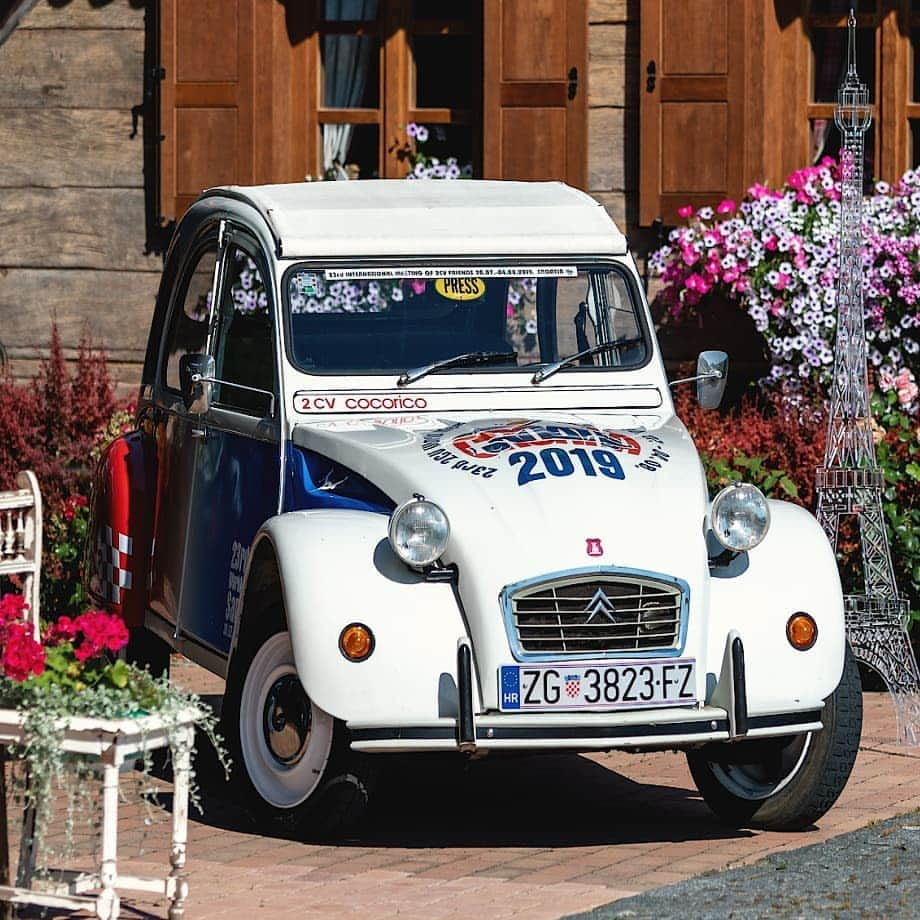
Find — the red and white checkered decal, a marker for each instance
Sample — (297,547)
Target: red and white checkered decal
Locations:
(114,551)
(572,685)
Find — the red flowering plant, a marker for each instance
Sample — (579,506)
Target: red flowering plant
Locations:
(73,653)
(20,655)
(79,651)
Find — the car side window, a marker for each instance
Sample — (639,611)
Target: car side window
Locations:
(188,328)
(244,352)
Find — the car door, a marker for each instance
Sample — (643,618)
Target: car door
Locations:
(235,484)
(178,432)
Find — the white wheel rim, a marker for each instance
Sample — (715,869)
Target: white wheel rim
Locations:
(751,781)
(283,785)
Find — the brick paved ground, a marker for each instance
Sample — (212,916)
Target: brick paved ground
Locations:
(535,837)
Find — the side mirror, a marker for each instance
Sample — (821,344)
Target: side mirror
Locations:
(711,377)
(195,375)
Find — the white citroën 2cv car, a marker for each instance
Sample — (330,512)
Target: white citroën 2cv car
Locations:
(407,473)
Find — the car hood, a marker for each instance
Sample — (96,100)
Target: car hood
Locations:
(531,489)
(528,497)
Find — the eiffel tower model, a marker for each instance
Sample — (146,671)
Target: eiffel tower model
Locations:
(850,482)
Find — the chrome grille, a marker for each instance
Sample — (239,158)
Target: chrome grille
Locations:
(596,614)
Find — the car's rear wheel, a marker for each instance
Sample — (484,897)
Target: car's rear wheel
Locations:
(292,761)
(785,783)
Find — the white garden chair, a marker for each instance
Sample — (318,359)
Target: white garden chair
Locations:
(20,554)
(21,538)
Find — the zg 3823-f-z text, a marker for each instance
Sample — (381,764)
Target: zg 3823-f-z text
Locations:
(598,685)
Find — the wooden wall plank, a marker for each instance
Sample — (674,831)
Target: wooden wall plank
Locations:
(609,11)
(83,14)
(115,308)
(615,205)
(613,65)
(74,228)
(50,148)
(72,69)
(125,372)
(606,149)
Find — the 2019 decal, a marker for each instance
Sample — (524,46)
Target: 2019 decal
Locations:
(541,451)
(554,461)
(525,434)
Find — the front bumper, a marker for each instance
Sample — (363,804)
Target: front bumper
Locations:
(580,732)
(724,718)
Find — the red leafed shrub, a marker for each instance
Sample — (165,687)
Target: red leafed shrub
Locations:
(777,444)
(52,424)
(786,436)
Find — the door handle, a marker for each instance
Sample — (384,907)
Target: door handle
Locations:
(201,433)
(573,82)
(650,74)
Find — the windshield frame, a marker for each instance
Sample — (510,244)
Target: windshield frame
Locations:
(524,372)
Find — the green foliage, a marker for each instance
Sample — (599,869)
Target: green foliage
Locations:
(898,455)
(721,472)
(65,534)
(61,669)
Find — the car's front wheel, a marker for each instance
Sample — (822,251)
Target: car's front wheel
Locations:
(291,759)
(785,783)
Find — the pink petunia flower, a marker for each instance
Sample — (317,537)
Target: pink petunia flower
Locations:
(906,387)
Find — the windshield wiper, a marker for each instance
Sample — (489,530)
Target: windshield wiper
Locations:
(470,359)
(551,369)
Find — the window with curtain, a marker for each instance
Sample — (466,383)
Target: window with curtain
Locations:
(387,65)
(888,45)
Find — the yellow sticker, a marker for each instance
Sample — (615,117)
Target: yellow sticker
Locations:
(460,288)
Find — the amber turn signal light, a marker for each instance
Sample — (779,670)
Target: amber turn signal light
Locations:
(356,642)
(801,631)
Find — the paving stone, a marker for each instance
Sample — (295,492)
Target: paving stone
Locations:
(534,837)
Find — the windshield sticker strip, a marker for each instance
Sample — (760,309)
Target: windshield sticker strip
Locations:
(452,271)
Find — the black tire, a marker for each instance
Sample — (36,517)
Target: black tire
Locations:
(787,783)
(293,767)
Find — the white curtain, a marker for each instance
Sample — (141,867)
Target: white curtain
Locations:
(346,62)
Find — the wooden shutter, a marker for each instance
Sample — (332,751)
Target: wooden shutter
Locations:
(692,96)
(206,107)
(534,62)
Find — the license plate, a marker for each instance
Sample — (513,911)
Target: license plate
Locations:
(597,685)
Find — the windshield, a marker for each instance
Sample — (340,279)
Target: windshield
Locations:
(366,320)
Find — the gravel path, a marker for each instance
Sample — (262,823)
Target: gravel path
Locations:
(873,872)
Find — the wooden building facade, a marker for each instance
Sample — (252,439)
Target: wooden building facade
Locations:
(114,114)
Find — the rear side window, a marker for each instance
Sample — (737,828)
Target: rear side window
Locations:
(244,352)
(188,328)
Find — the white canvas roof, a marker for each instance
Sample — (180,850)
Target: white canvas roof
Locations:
(460,217)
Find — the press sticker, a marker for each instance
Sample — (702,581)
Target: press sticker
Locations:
(460,288)
(305,283)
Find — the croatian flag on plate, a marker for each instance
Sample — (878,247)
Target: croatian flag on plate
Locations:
(572,685)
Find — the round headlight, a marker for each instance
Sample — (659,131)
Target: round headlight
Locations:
(419,531)
(739,517)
